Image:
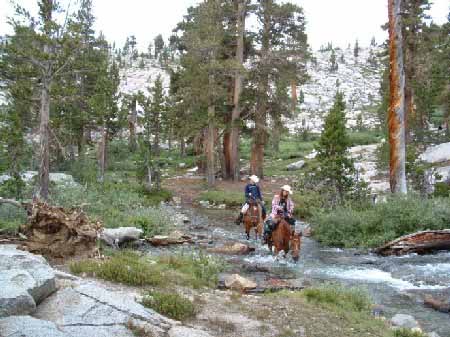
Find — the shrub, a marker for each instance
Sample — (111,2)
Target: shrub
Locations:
(124,267)
(171,304)
(11,217)
(380,223)
(229,198)
(196,270)
(351,299)
(407,333)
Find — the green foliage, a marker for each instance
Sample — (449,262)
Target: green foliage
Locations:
(115,204)
(124,267)
(229,198)
(170,304)
(127,267)
(407,333)
(11,217)
(365,137)
(335,166)
(441,190)
(343,298)
(380,223)
(151,220)
(195,270)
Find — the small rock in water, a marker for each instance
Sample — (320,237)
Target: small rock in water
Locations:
(233,248)
(222,206)
(117,236)
(405,321)
(204,203)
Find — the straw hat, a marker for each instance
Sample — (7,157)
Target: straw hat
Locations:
(287,188)
(254,179)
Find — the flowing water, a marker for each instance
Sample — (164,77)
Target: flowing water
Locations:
(396,284)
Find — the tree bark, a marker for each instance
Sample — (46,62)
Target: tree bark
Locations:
(233,169)
(210,158)
(396,118)
(294,98)
(102,155)
(132,120)
(44,167)
(259,133)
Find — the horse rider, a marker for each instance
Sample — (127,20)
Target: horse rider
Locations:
(282,205)
(252,192)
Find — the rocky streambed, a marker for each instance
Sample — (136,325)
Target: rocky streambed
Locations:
(39,300)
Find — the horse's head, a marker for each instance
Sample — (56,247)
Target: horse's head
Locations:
(295,246)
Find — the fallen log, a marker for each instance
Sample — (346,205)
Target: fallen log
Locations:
(421,243)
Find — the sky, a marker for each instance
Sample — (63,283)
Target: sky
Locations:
(340,21)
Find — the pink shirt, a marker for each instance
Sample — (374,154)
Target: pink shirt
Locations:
(275,206)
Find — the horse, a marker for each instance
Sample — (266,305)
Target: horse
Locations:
(285,238)
(253,219)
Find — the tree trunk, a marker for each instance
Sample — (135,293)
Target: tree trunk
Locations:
(200,149)
(44,167)
(259,133)
(132,120)
(156,135)
(182,147)
(102,155)
(294,98)
(396,118)
(233,169)
(276,132)
(210,160)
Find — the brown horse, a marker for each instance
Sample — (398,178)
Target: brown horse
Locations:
(253,219)
(285,238)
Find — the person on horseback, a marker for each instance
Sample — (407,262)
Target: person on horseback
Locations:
(282,205)
(252,192)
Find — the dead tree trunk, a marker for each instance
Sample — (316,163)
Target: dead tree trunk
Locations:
(420,243)
(233,165)
(44,167)
(396,119)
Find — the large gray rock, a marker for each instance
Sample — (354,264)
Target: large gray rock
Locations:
(116,236)
(26,326)
(296,166)
(181,331)
(91,308)
(23,273)
(405,321)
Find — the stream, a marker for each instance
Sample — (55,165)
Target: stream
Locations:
(395,284)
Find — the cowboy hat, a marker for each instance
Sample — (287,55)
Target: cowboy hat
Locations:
(287,188)
(254,178)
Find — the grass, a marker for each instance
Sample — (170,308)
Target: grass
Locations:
(11,217)
(125,267)
(218,197)
(380,223)
(407,333)
(115,204)
(170,304)
(130,268)
(323,311)
(339,298)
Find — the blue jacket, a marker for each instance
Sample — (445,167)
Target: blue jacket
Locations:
(254,191)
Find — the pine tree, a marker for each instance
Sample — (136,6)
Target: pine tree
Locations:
(159,45)
(50,48)
(334,66)
(335,166)
(356,50)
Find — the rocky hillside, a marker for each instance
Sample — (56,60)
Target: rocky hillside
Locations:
(358,78)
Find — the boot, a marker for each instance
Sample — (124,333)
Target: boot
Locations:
(239,219)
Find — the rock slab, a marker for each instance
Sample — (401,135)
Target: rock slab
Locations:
(25,281)
(405,321)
